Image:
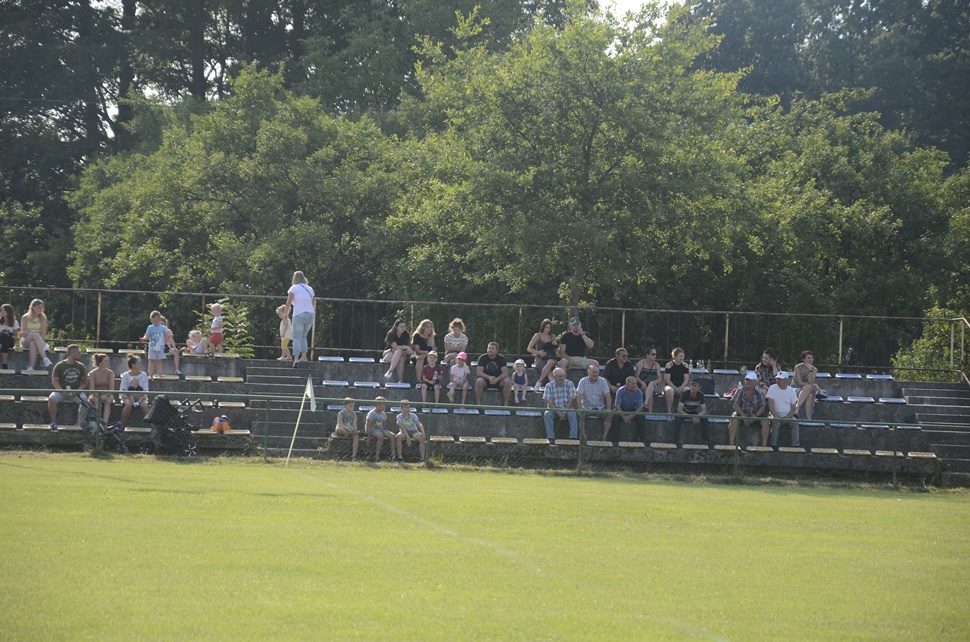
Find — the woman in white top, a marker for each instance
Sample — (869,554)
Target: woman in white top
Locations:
(299,298)
(135,381)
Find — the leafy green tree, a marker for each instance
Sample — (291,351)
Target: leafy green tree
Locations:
(557,163)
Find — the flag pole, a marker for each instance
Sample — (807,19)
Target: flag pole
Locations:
(308,390)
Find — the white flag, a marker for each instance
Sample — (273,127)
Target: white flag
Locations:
(309,393)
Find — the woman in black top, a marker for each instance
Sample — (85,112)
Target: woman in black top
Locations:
(543,347)
(398,349)
(677,377)
(422,342)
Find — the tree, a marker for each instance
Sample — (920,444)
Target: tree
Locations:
(557,158)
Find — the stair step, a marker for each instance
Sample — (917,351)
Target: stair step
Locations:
(938,419)
(938,401)
(958,465)
(934,385)
(946,437)
(951,451)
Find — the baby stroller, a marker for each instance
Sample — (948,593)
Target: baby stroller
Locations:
(171,429)
(95,434)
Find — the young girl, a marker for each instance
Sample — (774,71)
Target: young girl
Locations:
(215,330)
(676,376)
(455,341)
(286,334)
(33,329)
(9,328)
(520,381)
(459,378)
(375,427)
(649,376)
(397,342)
(409,428)
(195,343)
(347,424)
(431,377)
(543,347)
(805,384)
(134,381)
(170,346)
(422,342)
(102,379)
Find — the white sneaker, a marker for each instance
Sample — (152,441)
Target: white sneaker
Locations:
(29,369)
(47,362)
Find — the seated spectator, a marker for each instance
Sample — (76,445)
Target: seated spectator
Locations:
(455,341)
(33,330)
(629,399)
(560,395)
(422,343)
(102,379)
(766,370)
(69,374)
(693,404)
(594,394)
(618,369)
(397,344)
(649,376)
(431,376)
(347,425)
(492,372)
(375,427)
(133,382)
(805,384)
(520,381)
(573,345)
(782,404)
(676,378)
(749,405)
(544,346)
(458,378)
(409,429)
(9,329)
(195,343)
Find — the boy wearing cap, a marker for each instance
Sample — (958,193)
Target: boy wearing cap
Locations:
(573,345)
(749,405)
(782,404)
(692,403)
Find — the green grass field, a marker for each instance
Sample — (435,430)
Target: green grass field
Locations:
(134,548)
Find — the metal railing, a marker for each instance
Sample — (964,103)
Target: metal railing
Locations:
(117,318)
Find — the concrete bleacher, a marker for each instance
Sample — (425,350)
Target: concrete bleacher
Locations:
(844,434)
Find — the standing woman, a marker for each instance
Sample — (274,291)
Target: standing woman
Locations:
(33,329)
(299,298)
(9,329)
(422,341)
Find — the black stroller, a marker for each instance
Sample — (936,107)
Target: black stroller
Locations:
(171,429)
(95,434)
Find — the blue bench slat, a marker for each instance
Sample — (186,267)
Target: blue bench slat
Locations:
(655,418)
(843,375)
(496,412)
(823,375)
(332,359)
(726,371)
(528,413)
(896,400)
(718,420)
(361,359)
(334,406)
(366,408)
(811,424)
(435,411)
(908,428)
(875,426)
(829,398)
(853,426)
(400,385)
(335,384)
(366,384)
(860,400)
(465,411)
(880,377)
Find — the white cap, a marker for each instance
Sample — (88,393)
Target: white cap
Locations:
(781,375)
(752,376)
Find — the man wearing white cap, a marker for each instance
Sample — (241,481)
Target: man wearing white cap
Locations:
(749,404)
(782,403)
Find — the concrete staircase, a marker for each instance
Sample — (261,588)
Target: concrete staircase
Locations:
(943,409)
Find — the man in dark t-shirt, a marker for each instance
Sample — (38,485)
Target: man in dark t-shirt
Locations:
(69,374)
(618,369)
(573,345)
(492,372)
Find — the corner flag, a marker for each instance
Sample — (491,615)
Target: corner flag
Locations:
(309,393)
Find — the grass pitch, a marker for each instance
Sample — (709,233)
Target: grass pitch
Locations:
(134,548)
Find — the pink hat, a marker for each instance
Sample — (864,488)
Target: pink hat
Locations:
(463,356)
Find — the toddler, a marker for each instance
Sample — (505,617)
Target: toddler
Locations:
(286,334)
(170,345)
(431,377)
(215,330)
(196,343)
(155,336)
(520,381)
(459,377)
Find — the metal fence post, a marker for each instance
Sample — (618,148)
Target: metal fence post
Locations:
(97,340)
(895,482)
(953,334)
(266,433)
(582,441)
(427,440)
(727,334)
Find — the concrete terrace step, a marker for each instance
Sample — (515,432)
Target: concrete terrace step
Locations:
(940,410)
(934,385)
(957,465)
(940,419)
(938,401)
(935,392)
(951,451)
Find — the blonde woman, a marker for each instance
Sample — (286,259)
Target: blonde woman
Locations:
(33,329)
(299,298)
